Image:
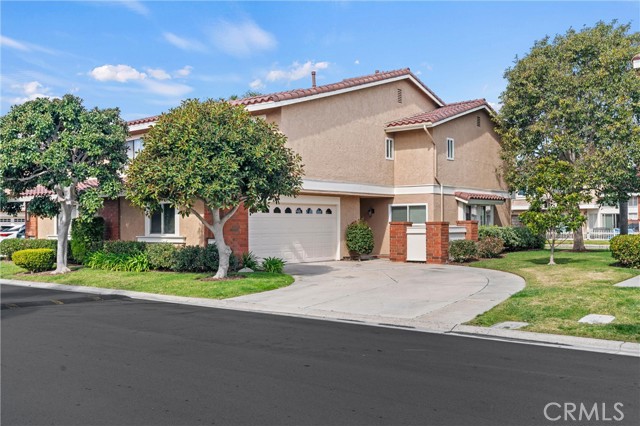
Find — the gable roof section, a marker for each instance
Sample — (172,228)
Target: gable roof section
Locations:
(439,115)
(40,190)
(346,85)
(468,196)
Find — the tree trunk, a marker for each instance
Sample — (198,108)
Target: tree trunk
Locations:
(224,251)
(624,217)
(553,246)
(578,240)
(64,221)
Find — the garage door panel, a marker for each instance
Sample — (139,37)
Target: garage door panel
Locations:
(296,238)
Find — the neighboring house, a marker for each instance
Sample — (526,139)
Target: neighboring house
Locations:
(381,147)
(602,221)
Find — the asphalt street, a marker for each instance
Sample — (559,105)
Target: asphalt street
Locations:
(77,359)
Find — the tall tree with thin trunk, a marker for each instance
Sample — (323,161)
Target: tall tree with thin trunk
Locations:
(60,145)
(218,154)
(576,99)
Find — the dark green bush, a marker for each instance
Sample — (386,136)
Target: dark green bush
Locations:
(273,264)
(249,260)
(490,247)
(200,259)
(11,245)
(463,250)
(87,236)
(626,250)
(135,262)
(124,247)
(35,260)
(161,255)
(359,237)
(515,238)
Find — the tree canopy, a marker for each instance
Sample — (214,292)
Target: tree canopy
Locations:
(216,153)
(59,144)
(576,99)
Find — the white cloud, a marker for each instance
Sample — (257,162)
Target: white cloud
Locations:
(158,74)
(120,73)
(184,43)
(183,72)
(357,62)
(166,89)
(242,39)
(495,105)
(30,91)
(24,46)
(257,84)
(135,6)
(296,71)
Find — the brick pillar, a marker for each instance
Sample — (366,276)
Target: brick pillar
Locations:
(472,229)
(110,212)
(236,230)
(398,241)
(437,242)
(31,225)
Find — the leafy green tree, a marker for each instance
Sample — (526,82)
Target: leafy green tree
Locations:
(553,203)
(576,99)
(59,144)
(218,154)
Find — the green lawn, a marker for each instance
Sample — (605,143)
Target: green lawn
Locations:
(557,296)
(173,283)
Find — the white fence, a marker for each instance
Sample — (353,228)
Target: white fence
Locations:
(594,234)
(457,232)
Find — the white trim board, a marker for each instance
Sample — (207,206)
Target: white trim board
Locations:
(312,185)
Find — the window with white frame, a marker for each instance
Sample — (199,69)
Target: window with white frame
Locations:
(134,146)
(483,214)
(389,148)
(163,221)
(416,213)
(450,148)
(633,207)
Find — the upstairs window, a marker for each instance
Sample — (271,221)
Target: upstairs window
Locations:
(389,148)
(450,149)
(163,221)
(134,147)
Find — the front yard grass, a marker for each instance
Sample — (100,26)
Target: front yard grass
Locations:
(557,296)
(171,283)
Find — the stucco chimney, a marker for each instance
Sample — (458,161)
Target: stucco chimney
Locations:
(313,79)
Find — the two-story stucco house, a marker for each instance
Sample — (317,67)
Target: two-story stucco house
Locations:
(382,147)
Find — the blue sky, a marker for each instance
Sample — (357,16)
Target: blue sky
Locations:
(144,57)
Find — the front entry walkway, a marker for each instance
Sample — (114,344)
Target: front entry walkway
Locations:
(434,297)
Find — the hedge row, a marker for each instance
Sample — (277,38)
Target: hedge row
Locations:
(9,246)
(626,250)
(515,238)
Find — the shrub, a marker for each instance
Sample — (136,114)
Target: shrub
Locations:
(273,264)
(200,259)
(249,260)
(490,247)
(463,250)
(35,260)
(87,236)
(136,262)
(359,237)
(515,238)
(11,245)
(161,255)
(124,247)
(626,250)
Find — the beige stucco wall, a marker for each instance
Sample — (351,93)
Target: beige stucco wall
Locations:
(191,228)
(379,222)
(341,138)
(476,161)
(46,228)
(349,211)
(131,221)
(413,158)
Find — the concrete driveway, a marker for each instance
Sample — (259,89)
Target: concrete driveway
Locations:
(434,297)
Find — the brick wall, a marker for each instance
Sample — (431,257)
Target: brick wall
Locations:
(31,226)
(236,230)
(398,241)
(472,229)
(111,214)
(437,242)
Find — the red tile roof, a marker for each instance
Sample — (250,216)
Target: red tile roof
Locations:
(143,120)
(441,113)
(475,196)
(41,190)
(344,84)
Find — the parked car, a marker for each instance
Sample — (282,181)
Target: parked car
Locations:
(12,231)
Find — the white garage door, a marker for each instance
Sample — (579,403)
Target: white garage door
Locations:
(296,231)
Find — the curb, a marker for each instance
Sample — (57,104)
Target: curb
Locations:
(614,347)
